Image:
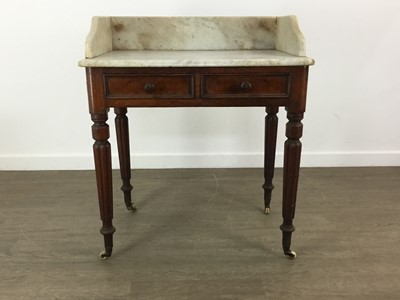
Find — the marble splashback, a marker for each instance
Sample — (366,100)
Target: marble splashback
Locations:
(194,33)
(200,33)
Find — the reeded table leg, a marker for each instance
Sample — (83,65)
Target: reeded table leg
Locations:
(294,130)
(271,127)
(121,125)
(102,159)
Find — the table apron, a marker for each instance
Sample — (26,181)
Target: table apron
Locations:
(197,87)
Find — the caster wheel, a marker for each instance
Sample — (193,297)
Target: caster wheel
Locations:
(131,207)
(104,255)
(267,210)
(290,254)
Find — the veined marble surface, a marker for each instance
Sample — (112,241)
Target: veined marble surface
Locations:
(193,33)
(195,41)
(223,58)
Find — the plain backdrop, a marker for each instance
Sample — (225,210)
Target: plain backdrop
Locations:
(353,101)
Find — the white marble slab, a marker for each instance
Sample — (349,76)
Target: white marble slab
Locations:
(99,39)
(193,33)
(223,58)
(194,41)
(289,38)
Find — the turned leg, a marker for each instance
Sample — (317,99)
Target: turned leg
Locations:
(271,127)
(121,126)
(294,130)
(102,160)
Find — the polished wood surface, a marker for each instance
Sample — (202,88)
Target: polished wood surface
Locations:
(202,86)
(271,128)
(245,86)
(122,129)
(270,87)
(153,86)
(102,161)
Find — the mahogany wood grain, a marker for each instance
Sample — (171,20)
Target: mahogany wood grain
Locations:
(150,86)
(122,130)
(292,153)
(102,160)
(271,128)
(245,86)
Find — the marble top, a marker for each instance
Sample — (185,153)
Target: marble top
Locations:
(195,58)
(194,41)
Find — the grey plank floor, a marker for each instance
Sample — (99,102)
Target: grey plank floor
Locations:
(201,234)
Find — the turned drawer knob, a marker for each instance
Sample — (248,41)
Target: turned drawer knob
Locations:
(245,86)
(149,87)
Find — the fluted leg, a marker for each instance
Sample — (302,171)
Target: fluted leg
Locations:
(121,125)
(294,130)
(271,127)
(102,159)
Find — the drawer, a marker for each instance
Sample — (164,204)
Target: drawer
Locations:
(245,86)
(148,86)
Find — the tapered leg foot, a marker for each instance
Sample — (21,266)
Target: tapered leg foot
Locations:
(267,196)
(131,207)
(108,242)
(128,197)
(105,254)
(287,239)
(289,253)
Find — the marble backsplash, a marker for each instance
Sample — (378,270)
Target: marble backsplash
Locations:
(200,33)
(194,33)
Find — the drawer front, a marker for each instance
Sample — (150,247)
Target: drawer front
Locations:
(148,86)
(245,86)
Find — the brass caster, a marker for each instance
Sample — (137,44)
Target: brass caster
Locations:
(267,210)
(104,255)
(131,207)
(290,254)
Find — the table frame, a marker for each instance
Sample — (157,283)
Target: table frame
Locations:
(104,94)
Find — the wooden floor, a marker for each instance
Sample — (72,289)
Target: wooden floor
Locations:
(201,234)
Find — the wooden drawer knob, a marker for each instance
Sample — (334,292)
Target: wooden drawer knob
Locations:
(149,87)
(245,86)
